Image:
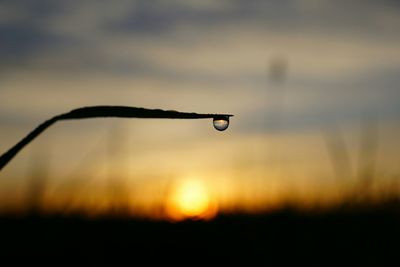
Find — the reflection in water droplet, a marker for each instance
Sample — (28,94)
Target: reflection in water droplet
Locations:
(221,123)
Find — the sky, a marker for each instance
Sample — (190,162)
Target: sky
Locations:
(313,85)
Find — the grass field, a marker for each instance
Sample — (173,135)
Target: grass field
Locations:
(367,235)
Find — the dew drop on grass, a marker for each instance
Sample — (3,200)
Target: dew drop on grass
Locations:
(221,123)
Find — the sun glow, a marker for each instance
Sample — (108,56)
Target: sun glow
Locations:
(190,199)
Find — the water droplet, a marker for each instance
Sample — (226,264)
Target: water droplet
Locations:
(221,123)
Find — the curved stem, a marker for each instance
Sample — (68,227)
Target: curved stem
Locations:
(103,111)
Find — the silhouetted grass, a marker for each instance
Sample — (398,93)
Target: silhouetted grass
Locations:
(362,234)
(104,112)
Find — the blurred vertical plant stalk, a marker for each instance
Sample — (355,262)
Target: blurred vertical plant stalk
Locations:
(277,77)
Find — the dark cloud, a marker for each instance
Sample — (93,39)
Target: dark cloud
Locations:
(20,41)
(36,29)
(30,35)
(22,33)
(336,17)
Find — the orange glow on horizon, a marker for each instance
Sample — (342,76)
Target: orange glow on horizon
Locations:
(190,199)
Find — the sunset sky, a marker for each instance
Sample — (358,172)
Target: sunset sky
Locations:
(313,85)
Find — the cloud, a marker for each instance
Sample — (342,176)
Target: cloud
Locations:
(35,29)
(201,51)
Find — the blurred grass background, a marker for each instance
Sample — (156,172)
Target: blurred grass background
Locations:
(313,86)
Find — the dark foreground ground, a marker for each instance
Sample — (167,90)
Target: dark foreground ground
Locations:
(316,239)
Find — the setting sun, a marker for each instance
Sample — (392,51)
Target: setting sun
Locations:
(190,199)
